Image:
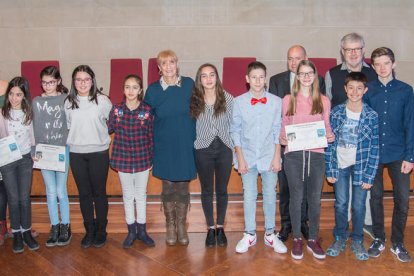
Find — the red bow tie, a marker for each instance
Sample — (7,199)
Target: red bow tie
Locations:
(261,100)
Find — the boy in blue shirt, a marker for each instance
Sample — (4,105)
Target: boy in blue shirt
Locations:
(393,100)
(254,129)
(354,154)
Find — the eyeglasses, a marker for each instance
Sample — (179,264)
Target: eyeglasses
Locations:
(353,50)
(49,83)
(82,81)
(307,74)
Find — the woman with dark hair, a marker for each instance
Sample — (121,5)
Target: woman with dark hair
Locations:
(211,106)
(87,111)
(16,120)
(174,135)
(49,121)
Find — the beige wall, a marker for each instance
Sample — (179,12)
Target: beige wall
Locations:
(92,32)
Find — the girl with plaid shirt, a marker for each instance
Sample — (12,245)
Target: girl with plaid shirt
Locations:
(132,123)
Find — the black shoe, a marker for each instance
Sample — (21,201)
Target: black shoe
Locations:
(65,235)
(304,228)
(18,246)
(211,237)
(142,234)
(87,240)
(29,240)
(100,234)
(52,240)
(221,237)
(402,254)
(377,246)
(131,237)
(283,234)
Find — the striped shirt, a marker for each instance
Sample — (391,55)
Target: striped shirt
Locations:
(209,126)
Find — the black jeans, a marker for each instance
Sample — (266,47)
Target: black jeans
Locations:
(284,196)
(3,201)
(90,171)
(305,169)
(214,167)
(401,190)
(17,177)
(175,191)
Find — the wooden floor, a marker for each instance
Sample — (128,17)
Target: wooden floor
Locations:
(193,259)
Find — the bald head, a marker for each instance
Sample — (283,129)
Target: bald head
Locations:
(295,54)
(3,86)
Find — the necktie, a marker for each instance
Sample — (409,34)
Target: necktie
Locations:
(261,100)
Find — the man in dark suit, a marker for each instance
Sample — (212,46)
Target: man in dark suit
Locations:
(280,85)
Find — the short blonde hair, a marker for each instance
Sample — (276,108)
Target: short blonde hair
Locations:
(166,54)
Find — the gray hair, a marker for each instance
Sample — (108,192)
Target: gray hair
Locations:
(352,37)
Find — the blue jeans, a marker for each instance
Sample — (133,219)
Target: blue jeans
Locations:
(269,180)
(56,187)
(17,177)
(359,196)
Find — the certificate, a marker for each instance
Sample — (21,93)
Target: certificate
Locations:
(49,157)
(9,150)
(306,136)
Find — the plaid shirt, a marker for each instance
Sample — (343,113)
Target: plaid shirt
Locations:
(132,148)
(367,155)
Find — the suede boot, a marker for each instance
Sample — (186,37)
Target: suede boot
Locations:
(142,234)
(131,237)
(100,234)
(181,209)
(170,218)
(89,235)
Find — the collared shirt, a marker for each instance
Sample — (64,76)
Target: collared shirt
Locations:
(255,129)
(328,78)
(208,126)
(132,149)
(394,104)
(165,85)
(367,153)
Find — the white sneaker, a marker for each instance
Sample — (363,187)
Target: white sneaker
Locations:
(244,244)
(273,241)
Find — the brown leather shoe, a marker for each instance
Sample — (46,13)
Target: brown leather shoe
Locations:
(182,223)
(170,218)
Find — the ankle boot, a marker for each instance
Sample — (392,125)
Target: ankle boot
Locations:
(18,246)
(131,237)
(65,235)
(100,234)
(89,235)
(181,209)
(29,240)
(170,217)
(221,237)
(53,236)
(211,237)
(142,234)
(3,231)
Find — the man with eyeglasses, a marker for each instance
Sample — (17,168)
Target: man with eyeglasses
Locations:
(352,52)
(280,85)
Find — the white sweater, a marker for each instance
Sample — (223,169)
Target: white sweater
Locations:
(88,131)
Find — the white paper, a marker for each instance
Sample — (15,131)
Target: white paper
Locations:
(306,136)
(9,150)
(49,157)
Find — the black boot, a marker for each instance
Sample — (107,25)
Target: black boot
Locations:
(89,235)
(65,235)
(100,234)
(18,246)
(211,237)
(142,234)
(221,237)
(131,237)
(52,240)
(29,240)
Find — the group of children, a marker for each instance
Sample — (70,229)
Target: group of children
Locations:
(252,125)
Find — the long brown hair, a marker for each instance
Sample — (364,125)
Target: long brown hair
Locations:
(197,103)
(317,106)
(23,84)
